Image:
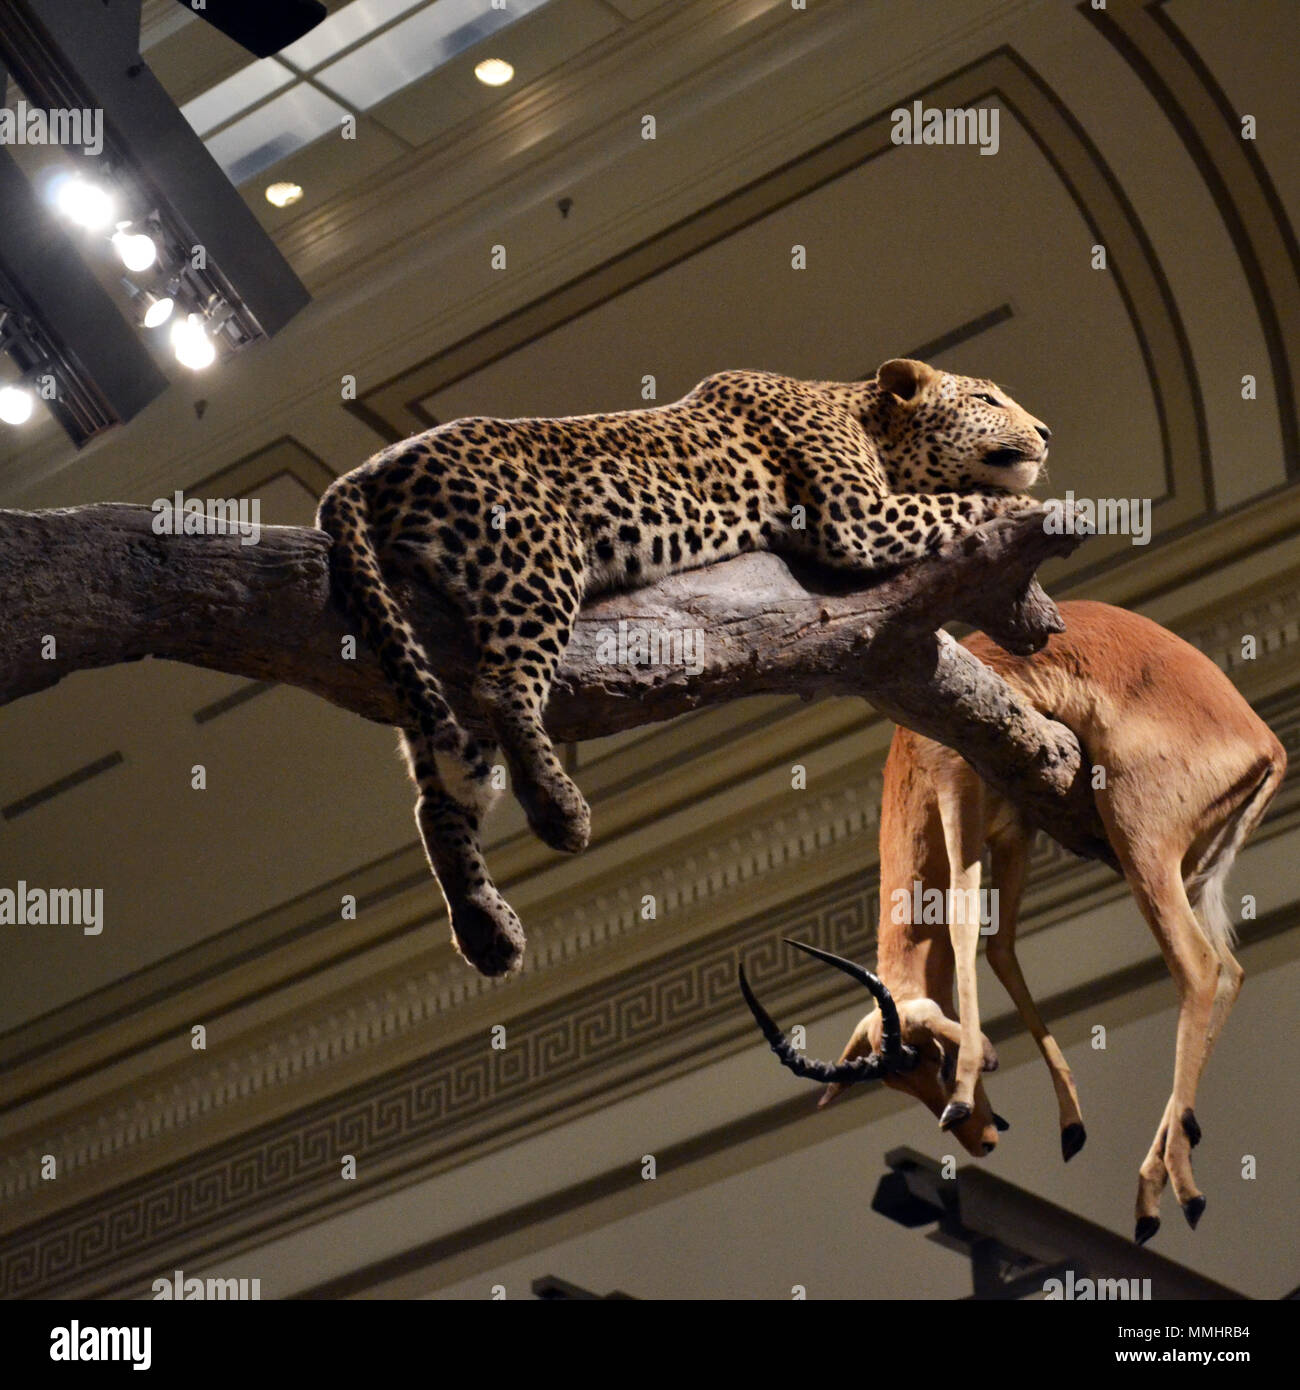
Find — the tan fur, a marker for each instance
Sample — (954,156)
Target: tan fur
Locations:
(1190,770)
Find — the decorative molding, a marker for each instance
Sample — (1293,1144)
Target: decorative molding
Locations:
(442,1106)
(701,883)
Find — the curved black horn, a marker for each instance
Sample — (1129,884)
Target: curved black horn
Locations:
(891,1035)
(858,1069)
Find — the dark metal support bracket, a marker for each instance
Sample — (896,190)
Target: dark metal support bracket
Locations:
(1016,1241)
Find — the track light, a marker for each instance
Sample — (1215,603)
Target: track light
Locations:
(136,251)
(16,405)
(83,202)
(158,309)
(191,344)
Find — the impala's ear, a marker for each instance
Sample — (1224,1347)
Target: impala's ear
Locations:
(904,378)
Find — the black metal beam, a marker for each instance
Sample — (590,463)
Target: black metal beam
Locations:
(78,54)
(1016,1240)
(261,26)
(556,1290)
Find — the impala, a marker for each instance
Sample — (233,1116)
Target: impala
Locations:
(1189,771)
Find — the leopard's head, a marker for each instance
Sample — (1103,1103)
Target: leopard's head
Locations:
(938,432)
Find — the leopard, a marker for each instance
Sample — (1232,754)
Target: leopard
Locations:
(513,523)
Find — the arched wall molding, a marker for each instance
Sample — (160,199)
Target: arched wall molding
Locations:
(1198,108)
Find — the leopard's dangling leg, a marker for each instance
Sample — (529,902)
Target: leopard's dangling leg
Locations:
(512,691)
(484,927)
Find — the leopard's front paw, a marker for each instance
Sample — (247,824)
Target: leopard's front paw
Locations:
(1010,503)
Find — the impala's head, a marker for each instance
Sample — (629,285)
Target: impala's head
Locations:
(941,432)
(910,1046)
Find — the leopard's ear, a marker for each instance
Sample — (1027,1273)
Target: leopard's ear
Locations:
(904,378)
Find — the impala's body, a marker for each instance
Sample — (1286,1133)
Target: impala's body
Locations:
(1189,771)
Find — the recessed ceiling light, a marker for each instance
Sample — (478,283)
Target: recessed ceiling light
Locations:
(283,195)
(494,72)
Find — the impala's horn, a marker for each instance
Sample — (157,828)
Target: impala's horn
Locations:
(893,1055)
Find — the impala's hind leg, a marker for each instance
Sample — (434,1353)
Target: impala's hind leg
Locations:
(1195,967)
(484,927)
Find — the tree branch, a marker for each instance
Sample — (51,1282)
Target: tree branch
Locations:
(107,589)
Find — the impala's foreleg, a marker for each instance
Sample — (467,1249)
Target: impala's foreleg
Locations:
(1009,865)
(962,799)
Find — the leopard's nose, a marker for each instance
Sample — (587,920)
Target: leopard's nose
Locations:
(1044,433)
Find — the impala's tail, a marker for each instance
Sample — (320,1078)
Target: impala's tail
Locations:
(1206,885)
(358,578)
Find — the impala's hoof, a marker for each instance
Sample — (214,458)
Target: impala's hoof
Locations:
(1194,1210)
(1000,1124)
(1190,1128)
(1147,1226)
(953,1114)
(1073,1138)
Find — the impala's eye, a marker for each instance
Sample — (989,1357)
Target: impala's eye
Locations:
(988,400)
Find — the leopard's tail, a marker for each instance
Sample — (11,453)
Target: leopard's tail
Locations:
(431,724)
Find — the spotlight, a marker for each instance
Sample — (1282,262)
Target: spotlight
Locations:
(136,251)
(283,195)
(84,203)
(494,72)
(191,344)
(15,405)
(158,309)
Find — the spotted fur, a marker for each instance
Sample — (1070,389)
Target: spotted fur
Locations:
(517,521)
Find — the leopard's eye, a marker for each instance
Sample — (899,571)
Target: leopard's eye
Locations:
(988,400)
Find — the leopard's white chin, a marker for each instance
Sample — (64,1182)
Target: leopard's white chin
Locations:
(1018,477)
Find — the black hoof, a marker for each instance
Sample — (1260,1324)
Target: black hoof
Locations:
(1073,1138)
(953,1114)
(1147,1226)
(1190,1128)
(1000,1124)
(1194,1210)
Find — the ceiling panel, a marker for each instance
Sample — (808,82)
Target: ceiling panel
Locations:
(873,288)
(533,46)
